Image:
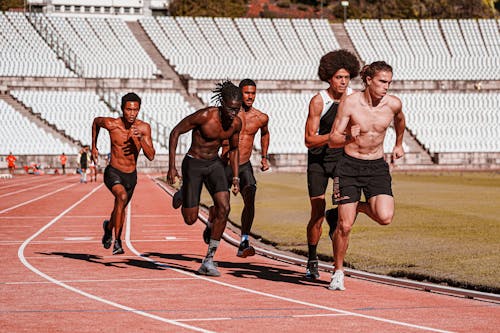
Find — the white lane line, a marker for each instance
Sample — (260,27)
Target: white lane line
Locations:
(29,188)
(35,199)
(252,291)
(20,254)
(23,183)
(102,280)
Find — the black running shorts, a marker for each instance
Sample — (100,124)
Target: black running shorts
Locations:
(113,176)
(195,173)
(318,173)
(246,176)
(354,175)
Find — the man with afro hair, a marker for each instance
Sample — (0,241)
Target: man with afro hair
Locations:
(336,68)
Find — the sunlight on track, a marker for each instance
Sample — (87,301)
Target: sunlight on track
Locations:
(20,254)
(35,199)
(286,299)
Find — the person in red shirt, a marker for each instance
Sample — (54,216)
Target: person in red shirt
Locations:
(63,158)
(11,163)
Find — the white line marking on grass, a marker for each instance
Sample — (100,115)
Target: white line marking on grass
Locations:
(35,199)
(29,188)
(20,254)
(256,292)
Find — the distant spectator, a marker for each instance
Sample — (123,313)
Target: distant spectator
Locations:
(63,158)
(11,163)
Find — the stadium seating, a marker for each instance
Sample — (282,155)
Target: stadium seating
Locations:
(106,47)
(24,52)
(264,49)
(430,49)
(22,137)
(454,121)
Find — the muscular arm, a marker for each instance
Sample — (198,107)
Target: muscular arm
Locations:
(311,137)
(234,155)
(96,126)
(182,127)
(146,142)
(264,142)
(399,126)
(337,137)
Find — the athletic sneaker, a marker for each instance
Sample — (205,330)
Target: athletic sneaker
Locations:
(206,234)
(245,250)
(177,199)
(332,216)
(312,270)
(208,268)
(107,238)
(337,281)
(117,248)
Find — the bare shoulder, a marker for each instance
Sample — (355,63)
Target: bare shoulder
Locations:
(142,124)
(107,122)
(394,103)
(263,117)
(237,123)
(316,105)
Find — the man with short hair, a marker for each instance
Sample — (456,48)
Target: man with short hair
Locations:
(128,136)
(11,163)
(360,127)
(209,126)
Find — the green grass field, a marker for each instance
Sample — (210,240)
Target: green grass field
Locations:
(446,227)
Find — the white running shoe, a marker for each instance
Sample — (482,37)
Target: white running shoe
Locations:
(337,281)
(209,268)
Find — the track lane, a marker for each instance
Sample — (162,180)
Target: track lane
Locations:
(157,231)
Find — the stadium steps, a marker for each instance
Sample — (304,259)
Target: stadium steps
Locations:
(160,62)
(36,119)
(344,40)
(420,155)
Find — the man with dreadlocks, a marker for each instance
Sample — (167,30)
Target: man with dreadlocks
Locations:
(202,165)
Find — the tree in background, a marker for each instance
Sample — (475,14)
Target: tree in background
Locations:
(215,8)
(5,5)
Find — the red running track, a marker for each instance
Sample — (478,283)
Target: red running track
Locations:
(56,276)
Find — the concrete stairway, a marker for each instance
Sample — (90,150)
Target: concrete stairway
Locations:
(167,71)
(344,40)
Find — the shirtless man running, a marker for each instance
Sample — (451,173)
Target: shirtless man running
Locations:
(128,136)
(360,127)
(252,121)
(202,165)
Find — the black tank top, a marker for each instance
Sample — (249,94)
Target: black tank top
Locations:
(325,126)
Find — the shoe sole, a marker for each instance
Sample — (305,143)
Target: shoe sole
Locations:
(248,252)
(203,271)
(312,277)
(106,242)
(118,251)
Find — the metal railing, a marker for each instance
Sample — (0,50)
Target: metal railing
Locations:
(56,42)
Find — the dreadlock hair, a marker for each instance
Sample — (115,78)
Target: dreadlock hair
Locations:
(247,82)
(372,69)
(130,97)
(331,62)
(226,91)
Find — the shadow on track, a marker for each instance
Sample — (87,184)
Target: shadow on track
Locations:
(99,260)
(276,272)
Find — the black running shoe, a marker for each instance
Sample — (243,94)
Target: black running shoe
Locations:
(107,238)
(206,234)
(312,270)
(177,199)
(332,216)
(117,248)
(245,250)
